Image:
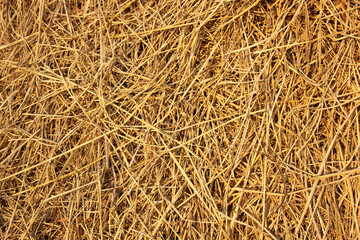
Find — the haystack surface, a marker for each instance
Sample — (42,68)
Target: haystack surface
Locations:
(179,119)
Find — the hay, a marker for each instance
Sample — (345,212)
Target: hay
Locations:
(184,119)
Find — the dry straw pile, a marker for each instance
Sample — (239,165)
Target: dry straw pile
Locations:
(179,119)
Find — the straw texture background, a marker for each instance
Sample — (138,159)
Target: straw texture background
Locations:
(179,119)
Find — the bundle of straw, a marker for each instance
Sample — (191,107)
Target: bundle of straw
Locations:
(184,119)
